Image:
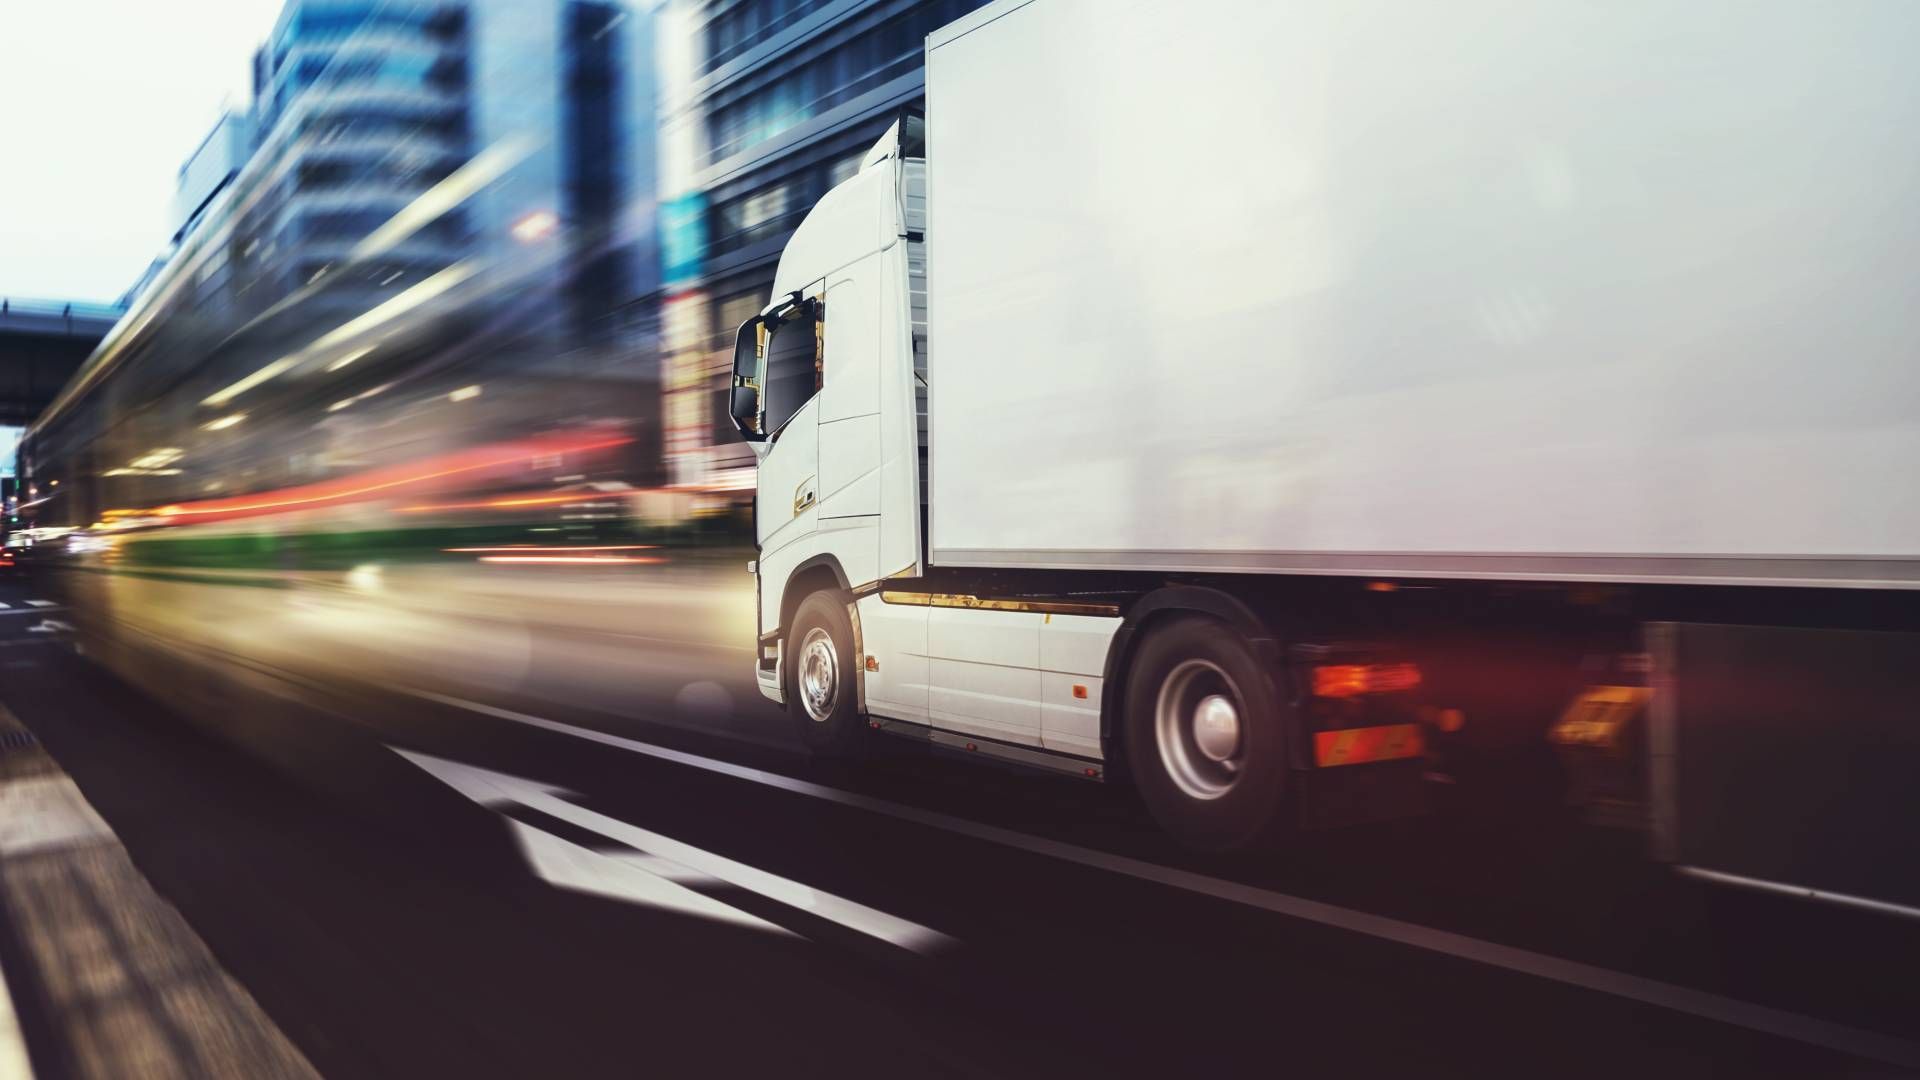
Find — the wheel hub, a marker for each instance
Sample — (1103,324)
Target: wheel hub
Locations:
(1216,727)
(1198,727)
(819,674)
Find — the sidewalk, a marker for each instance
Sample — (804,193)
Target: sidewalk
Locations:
(106,979)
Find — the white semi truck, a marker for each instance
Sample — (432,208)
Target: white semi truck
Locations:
(1241,397)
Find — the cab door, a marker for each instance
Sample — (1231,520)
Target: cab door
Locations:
(786,504)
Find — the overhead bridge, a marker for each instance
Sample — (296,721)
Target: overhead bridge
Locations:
(42,343)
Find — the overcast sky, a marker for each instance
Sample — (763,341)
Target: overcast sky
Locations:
(103,101)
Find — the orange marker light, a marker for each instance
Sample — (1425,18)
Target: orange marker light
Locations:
(1079,691)
(873,663)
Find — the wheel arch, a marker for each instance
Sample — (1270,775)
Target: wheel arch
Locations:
(1159,606)
(811,576)
(820,573)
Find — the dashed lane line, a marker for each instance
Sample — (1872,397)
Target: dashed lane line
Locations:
(1761,1018)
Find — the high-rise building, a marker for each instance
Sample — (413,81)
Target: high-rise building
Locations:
(765,104)
(365,106)
(211,170)
(442,190)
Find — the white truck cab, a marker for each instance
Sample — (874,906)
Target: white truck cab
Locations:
(829,390)
(830,387)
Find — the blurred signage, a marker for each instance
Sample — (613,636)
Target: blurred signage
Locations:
(683,236)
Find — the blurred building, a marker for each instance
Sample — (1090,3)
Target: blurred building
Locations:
(441,233)
(765,104)
(363,107)
(211,170)
(132,295)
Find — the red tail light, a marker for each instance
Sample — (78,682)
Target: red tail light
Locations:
(1352,680)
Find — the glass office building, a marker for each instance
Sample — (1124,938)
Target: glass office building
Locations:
(765,104)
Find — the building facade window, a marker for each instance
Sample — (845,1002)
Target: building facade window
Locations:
(745,25)
(840,74)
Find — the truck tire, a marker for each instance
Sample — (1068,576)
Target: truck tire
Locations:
(820,675)
(1206,736)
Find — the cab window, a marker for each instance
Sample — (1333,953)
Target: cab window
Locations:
(793,365)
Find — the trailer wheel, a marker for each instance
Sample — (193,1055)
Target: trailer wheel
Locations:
(820,675)
(1206,737)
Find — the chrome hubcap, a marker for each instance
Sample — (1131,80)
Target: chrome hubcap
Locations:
(819,674)
(1216,728)
(1197,724)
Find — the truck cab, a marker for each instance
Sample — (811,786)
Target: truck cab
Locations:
(829,389)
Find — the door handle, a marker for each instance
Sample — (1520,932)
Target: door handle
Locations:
(803,495)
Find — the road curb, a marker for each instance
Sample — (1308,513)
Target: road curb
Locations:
(115,981)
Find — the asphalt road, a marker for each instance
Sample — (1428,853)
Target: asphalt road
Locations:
(565,876)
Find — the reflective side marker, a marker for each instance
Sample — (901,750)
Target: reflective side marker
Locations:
(1079,691)
(1354,746)
(873,663)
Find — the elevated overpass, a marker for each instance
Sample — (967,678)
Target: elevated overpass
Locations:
(42,342)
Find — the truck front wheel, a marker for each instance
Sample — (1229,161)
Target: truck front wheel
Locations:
(1205,737)
(820,675)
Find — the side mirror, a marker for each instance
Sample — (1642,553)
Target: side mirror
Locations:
(744,406)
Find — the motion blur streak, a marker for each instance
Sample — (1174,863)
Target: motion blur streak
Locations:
(581,560)
(379,316)
(251,381)
(371,483)
(528,549)
(486,167)
(504,504)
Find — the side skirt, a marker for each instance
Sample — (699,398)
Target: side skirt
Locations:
(1029,756)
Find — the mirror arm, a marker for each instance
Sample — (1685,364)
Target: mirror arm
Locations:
(772,311)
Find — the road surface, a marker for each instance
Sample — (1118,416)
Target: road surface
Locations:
(472,830)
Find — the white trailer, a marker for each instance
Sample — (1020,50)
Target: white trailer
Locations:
(1201,348)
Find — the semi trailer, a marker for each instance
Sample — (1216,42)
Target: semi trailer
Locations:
(1261,402)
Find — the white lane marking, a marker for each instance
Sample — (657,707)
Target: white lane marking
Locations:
(1801,891)
(567,865)
(17,612)
(5,606)
(43,603)
(490,788)
(1765,1019)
